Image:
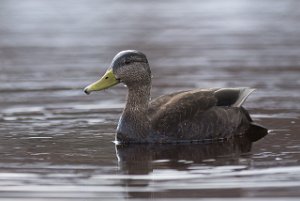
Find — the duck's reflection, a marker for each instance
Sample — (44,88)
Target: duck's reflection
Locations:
(141,159)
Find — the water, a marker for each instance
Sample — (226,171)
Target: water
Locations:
(56,142)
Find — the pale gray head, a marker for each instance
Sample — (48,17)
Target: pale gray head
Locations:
(131,67)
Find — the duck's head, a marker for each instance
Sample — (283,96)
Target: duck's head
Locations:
(130,67)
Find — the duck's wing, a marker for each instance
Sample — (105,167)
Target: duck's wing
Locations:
(172,109)
(234,97)
(179,107)
(156,104)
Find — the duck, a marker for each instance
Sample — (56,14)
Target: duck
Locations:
(188,116)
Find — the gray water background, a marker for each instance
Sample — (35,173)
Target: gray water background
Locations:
(56,142)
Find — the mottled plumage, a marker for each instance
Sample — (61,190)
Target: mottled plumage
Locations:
(199,115)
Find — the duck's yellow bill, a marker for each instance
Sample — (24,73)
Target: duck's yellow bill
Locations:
(106,81)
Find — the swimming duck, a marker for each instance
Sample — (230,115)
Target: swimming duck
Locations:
(191,116)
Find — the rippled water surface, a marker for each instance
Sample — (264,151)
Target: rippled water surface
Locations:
(56,142)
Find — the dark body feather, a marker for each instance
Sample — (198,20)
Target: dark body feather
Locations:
(201,115)
(196,116)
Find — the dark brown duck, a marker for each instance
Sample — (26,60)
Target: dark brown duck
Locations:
(199,115)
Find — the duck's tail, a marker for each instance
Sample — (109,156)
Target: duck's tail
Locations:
(256,132)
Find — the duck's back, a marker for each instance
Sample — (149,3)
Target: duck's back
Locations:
(202,115)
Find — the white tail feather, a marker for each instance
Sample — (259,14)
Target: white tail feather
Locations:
(244,93)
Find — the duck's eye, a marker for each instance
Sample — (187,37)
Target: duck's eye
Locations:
(106,78)
(127,62)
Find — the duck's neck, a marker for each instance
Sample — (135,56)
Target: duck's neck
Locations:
(138,99)
(134,123)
